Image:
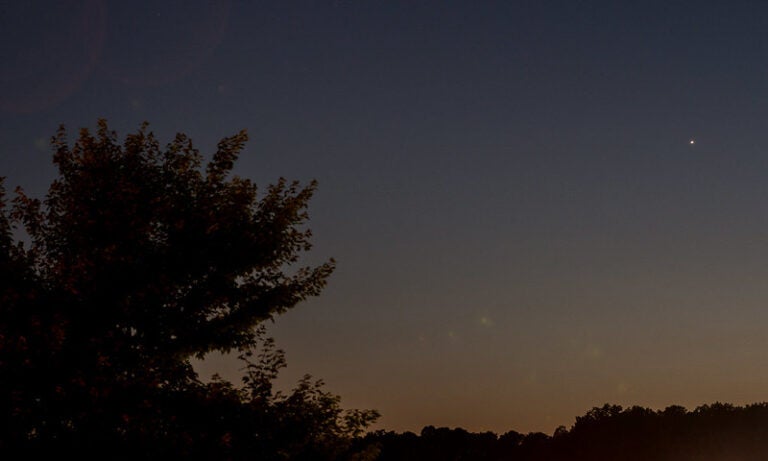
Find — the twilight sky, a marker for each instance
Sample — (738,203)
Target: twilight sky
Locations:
(522,227)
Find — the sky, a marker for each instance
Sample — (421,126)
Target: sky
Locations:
(522,227)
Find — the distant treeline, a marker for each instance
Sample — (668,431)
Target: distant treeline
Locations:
(710,432)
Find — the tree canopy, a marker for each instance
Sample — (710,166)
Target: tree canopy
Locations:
(709,433)
(139,258)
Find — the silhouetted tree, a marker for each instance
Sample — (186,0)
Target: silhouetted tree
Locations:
(709,433)
(138,259)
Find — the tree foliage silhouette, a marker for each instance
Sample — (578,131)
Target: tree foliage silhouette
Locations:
(139,259)
(709,433)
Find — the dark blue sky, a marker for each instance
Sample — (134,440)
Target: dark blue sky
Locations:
(522,227)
